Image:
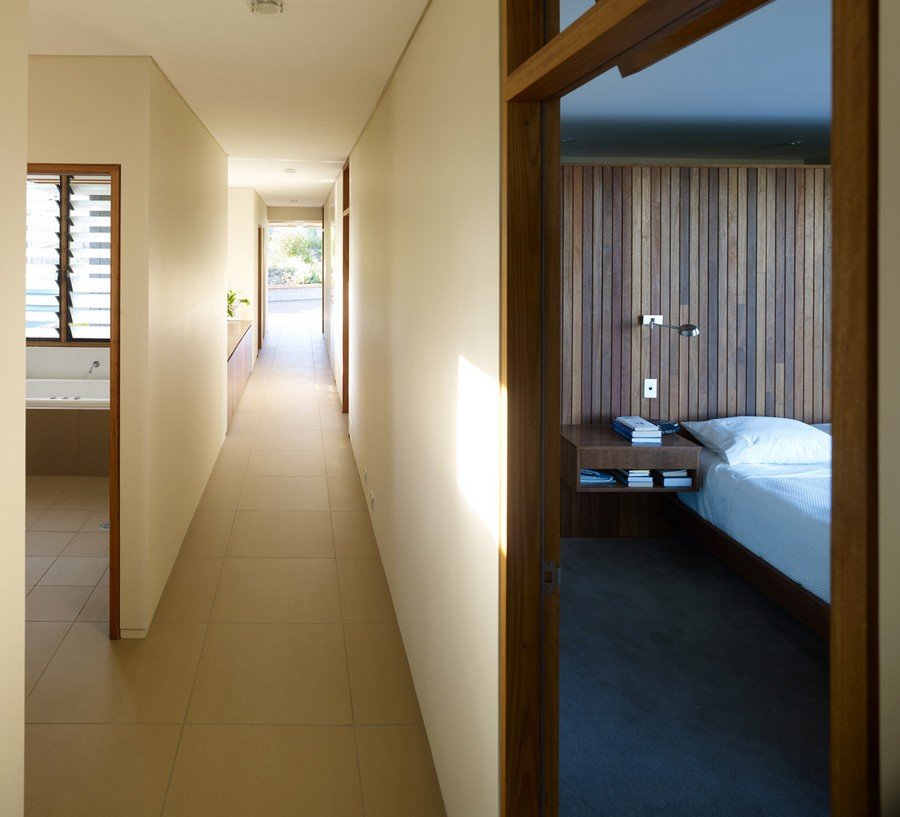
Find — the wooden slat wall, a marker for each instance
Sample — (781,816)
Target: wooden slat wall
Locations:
(743,252)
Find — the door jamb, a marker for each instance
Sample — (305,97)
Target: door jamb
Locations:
(531,468)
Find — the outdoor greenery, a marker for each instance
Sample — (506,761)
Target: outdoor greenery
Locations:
(295,255)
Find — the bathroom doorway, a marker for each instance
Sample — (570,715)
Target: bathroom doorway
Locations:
(72,404)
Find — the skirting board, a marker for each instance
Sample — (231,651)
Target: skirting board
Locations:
(806,607)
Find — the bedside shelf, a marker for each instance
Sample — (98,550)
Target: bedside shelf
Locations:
(600,447)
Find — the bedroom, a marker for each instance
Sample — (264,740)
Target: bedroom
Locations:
(697,192)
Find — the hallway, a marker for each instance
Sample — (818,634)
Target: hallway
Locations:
(273,680)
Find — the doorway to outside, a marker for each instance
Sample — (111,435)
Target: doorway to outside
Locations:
(293,281)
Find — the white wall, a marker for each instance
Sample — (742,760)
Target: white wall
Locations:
(424,379)
(66,363)
(173,288)
(13,157)
(889,404)
(187,321)
(247,212)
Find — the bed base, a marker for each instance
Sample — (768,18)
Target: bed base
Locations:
(806,607)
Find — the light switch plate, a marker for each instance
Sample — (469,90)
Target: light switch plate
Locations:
(646,320)
(650,390)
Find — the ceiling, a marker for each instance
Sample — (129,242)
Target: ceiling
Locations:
(289,91)
(740,94)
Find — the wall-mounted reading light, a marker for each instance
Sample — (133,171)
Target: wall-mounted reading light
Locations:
(267,8)
(686,330)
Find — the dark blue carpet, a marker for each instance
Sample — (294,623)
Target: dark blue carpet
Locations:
(684,691)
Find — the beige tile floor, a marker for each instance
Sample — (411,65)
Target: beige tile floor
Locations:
(273,680)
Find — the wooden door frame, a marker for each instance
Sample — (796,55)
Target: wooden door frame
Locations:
(345,290)
(538,66)
(115,567)
(262,291)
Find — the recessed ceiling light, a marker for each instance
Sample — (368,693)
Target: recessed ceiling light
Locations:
(267,8)
(289,170)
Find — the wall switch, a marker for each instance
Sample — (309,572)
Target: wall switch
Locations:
(365,475)
(646,320)
(372,500)
(650,388)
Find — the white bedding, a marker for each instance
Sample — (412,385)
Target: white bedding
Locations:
(782,513)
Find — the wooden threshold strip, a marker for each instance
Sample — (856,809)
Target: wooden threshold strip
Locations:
(594,43)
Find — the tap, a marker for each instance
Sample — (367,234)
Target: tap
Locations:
(94,365)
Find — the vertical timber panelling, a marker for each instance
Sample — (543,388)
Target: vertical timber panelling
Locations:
(744,252)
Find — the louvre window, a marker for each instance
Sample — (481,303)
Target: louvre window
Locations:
(70,260)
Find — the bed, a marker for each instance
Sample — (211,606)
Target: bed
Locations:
(771,522)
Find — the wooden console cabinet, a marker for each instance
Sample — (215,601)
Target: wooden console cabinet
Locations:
(240,361)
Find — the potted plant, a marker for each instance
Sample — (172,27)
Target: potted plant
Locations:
(234,304)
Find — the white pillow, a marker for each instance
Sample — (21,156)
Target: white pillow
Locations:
(763,440)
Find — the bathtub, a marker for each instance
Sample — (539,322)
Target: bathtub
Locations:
(67,394)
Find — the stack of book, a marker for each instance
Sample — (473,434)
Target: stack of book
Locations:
(674,478)
(592,476)
(635,477)
(638,430)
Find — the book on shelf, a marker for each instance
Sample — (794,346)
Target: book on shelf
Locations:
(637,436)
(674,478)
(594,476)
(637,423)
(635,478)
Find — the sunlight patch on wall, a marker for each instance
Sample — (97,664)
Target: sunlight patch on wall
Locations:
(477,443)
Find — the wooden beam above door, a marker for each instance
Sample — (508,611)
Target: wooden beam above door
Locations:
(614,30)
(713,16)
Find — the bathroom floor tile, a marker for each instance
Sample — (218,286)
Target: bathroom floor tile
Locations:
(365,597)
(380,680)
(346,494)
(75,570)
(36,567)
(46,543)
(208,533)
(95,520)
(397,772)
(286,464)
(190,591)
(278,771)
(281,533)
(94,680)
(277,591)
(266,439)
(272,673)
(54,603)
(41,640)
(89,769)
(334,421)
(221,494)
(231,463)
(61,520)
(353,535)
(84,543)
(31,516)
(97,606)
(284,494)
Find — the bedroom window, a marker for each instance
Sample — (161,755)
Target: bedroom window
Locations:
(70,258)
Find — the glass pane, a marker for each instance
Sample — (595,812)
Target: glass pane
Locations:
(90,253)
(42,215)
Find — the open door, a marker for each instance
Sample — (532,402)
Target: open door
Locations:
(540,66)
